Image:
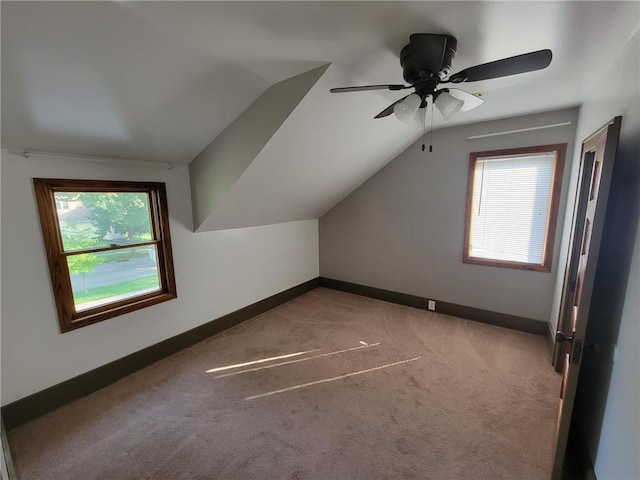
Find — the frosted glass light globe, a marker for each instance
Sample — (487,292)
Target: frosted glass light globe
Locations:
(405,111)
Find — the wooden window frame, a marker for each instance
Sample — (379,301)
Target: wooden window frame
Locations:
(552,218)
(68,317)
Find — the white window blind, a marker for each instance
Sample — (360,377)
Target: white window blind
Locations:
(510,207)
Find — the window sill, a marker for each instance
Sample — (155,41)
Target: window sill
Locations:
(507,264)
(94,315)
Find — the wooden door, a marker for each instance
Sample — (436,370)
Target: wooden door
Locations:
(598,155)
(571,270)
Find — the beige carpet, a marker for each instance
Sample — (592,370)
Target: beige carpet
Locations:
(365,390)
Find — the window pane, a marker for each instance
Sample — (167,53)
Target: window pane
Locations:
(106,277)
(510,207)
(96,219)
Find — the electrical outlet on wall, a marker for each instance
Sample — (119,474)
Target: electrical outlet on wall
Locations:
(431,305)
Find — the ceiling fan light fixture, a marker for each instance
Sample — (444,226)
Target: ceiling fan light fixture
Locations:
(406,110)
(448,105)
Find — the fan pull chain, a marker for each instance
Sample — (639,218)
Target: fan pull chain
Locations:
(431,132)
(424,131)
(424,127)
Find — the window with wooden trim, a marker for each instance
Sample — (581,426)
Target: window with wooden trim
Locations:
(512,206)
(108,247)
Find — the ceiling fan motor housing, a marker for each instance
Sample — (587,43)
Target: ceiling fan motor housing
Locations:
(427,56)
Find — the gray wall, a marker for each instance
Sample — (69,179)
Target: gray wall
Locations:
(216,273)
(403,229)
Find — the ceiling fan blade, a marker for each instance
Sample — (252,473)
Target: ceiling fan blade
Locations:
(389,110)
(368,87)
(470,101)
(527,62)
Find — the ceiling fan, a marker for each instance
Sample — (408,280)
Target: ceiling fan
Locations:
(426,62)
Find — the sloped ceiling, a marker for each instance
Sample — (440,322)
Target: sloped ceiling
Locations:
(219,166)
(313,160)
(159,81)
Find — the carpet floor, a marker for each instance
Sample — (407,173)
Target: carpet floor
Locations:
(327,386)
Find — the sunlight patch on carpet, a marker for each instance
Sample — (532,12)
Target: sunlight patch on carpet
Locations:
(297,361)
(270,359)
(332,379)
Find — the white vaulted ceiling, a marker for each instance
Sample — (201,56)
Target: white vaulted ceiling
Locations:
(159,81)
